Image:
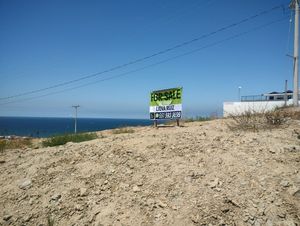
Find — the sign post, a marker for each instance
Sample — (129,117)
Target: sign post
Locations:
(166,104)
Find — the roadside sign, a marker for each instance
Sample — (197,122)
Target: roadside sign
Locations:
(166,104)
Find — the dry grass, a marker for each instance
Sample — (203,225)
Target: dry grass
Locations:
(198,119)
(15,144)
(122,130)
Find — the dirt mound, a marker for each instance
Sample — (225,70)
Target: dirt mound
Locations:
(199,174)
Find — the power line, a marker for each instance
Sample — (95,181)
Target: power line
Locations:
(154,64)
(149,56)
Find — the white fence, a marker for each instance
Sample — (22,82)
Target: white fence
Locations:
(235,108)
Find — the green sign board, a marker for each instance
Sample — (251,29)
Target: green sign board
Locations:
(166,104)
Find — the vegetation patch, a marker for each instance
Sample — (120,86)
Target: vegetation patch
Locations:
(122,130)
(198,119)
(15,143)
(252,120)
(63,139)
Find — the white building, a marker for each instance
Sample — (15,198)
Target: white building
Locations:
(258,103)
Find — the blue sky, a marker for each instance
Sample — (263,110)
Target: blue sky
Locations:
(44,43)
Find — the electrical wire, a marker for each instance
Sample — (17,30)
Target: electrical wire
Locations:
(154,64)
(149,56)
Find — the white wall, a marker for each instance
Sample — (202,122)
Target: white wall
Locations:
(235,108)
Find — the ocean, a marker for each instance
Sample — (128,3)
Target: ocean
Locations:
(45,127)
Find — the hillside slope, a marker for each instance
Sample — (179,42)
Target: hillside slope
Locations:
(199,174)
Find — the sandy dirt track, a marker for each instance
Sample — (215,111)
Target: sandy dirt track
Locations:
(199,174)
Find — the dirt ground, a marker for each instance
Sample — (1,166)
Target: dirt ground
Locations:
(199,174)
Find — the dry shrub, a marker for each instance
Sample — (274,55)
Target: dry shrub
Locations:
(122,130)
(2,145)
(276,117)
(254,121)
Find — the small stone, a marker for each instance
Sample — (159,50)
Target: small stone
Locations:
(281,215)
(284,183)
(161,204)
(140,183)
(296,193)
(106,182)
(195,218)
(31,201)
(218,189)
(149,202)
(78,208)
(83,192)
(214,183)
(225,210)
(135,188)
(2,161)
(28,218)
(55,197)
(25,184)
(131,166)
(7,217)
(272,151)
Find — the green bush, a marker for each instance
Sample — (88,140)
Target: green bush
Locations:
(63,139)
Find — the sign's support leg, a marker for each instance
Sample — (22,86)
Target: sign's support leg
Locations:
(155,123)
(177,122)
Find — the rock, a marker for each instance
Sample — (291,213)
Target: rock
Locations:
(27,218)
(214,183)
(2,161)
(281,215)
(135,188)
(7,217)
(195,218)
(297,193)
(294,191)
(83,192)
(174,207)
(25,184)
(31,201)
(55,197)
(284,183)
(150,202)
(225,210)
(78,208)
(161,204)
(272,151)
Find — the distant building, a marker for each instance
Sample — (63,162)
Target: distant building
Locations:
(273,96)
(258,103)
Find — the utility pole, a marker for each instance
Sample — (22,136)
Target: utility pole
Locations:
(295,5)
(76,106)
(285,93)
(239,93)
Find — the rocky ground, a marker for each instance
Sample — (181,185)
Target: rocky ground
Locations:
(199,174)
